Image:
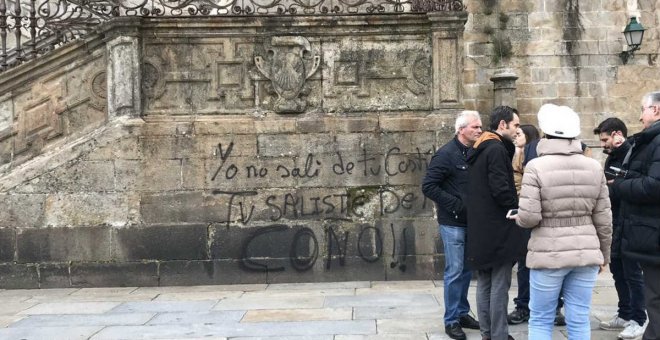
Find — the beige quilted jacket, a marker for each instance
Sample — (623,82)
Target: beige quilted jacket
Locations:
(564,199)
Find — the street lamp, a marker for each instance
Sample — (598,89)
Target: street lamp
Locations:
(634,33)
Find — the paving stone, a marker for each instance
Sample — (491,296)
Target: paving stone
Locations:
(404,326)
(321,285)
(194,318)
(49,333)
(320,337)
(164,306)
(383,337)
(301,292)
(6,320)
(403,312)
(288,302)
(11,307)
(34,321)
(298,314)
(380,300)
(204,288)
(197,296)
(261,329)
(70,308)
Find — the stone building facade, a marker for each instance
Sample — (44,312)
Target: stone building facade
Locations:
(252,149)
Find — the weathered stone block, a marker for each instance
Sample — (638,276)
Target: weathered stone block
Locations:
(86,209)
(78,176)
(7,244)
(125,274)
(22,210)
(177,242)
(144,175)
(166,147)
(353,269)
(181,207)
(187,273)
(54,275)
(63,244)
(18,276)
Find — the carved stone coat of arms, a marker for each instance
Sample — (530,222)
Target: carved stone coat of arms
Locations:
(288,64)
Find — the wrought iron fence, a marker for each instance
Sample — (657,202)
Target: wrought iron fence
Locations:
(29,28)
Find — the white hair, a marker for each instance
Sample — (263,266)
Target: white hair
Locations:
(463,119)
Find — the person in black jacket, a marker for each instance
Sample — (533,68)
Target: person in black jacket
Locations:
(494,242)
(638,187)
(445,184)
(627,273)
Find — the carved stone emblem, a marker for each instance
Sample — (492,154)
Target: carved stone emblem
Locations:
(288,64)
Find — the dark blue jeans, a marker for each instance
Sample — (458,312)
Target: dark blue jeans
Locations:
(457,276)
(629,284)
(522,300)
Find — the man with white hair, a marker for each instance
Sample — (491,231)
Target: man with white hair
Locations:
(445,184)
(638,187)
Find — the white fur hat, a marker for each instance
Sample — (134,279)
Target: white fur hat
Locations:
(559,121)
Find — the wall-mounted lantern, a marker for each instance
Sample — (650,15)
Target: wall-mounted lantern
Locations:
(634,33)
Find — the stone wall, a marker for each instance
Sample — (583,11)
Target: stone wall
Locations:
(241,150)
(565,52)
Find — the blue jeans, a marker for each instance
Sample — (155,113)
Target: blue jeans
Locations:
(522,300)
(457,276)
(577,284)
(629,284)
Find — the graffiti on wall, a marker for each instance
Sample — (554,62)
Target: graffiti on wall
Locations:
(355,220)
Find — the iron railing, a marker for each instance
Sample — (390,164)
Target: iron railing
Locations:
(29,28)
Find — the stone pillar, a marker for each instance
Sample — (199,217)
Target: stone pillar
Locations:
(504,88)
(124,72)
(447,53)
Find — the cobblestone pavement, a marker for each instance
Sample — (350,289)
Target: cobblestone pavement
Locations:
(396,310)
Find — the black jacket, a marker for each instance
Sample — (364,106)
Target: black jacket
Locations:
(445,183)
(639,191)
(615,159)
(492,239)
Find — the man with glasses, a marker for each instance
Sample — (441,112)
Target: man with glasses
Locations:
(638,187)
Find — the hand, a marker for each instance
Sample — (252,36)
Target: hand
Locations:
(610,181)
(602,267)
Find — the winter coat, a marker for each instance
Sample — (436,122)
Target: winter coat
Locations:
(615,159)
(492,239)
(639,192)
(564,198)
(445,183)
(518,168)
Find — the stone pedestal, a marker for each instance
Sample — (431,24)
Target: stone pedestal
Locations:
(504,88)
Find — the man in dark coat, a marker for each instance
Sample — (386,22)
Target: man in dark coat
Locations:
(639,191)
(445,184)
(494,242)
(627,273)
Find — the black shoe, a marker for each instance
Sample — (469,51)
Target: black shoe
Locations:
(560,320)
(518,316)
(467,321)
(455,331)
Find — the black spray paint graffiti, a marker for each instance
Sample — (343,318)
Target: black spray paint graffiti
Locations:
(340,206)
(303,248)
(394,163)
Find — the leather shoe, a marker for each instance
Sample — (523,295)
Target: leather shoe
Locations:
(467,321)
(455,331)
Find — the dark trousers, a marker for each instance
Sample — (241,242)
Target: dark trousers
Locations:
(522,300)
(652,294)
(629,284)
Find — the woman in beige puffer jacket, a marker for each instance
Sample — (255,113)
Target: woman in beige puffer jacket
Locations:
(565,201)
